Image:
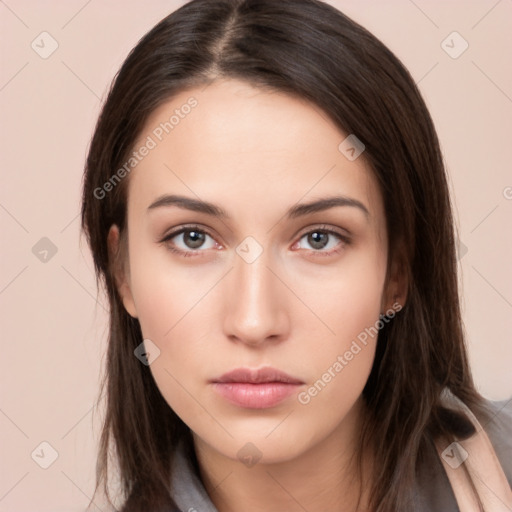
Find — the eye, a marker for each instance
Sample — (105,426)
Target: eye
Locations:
(189,241)
(323,241)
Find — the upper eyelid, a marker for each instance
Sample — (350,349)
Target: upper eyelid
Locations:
(324,227)
(320,227)
(180,230)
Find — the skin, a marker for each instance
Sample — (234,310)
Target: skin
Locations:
(257,153)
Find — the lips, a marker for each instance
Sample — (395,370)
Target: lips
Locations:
(256,389)
(267,374)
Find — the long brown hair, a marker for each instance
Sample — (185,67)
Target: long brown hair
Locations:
(310,49)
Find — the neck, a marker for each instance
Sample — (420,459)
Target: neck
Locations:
(323,478)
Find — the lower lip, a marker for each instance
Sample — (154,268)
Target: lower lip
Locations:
(255,396)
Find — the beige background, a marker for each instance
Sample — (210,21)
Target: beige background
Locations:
(52,325)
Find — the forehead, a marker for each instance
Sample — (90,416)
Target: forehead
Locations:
(240,145)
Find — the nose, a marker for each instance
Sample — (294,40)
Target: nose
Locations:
(255,311)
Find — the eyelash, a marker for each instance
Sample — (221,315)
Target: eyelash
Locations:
(345,240)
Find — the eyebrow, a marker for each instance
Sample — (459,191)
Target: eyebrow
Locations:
(295,211)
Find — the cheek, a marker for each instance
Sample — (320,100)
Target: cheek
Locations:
(349,300)
(166,293)
(177,308)
(345,359)
(339,362)
(177,314)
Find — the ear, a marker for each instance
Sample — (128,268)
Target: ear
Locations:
(119,263)
(397,283)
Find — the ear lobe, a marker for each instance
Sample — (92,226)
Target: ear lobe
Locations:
(395,292)
(118,265)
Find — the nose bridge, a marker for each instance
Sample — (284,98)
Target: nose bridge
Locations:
(256,308)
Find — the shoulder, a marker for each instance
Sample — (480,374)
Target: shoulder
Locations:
(186,487)
(433,491)
(498,427)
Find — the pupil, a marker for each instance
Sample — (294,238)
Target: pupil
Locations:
(315,239)
(199,239)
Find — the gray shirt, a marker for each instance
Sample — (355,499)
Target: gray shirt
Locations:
(433,492)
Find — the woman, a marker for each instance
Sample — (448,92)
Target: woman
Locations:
(266,203)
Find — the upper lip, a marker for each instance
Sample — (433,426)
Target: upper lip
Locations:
(257,376)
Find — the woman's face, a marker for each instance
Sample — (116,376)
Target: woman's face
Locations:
(257,280)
